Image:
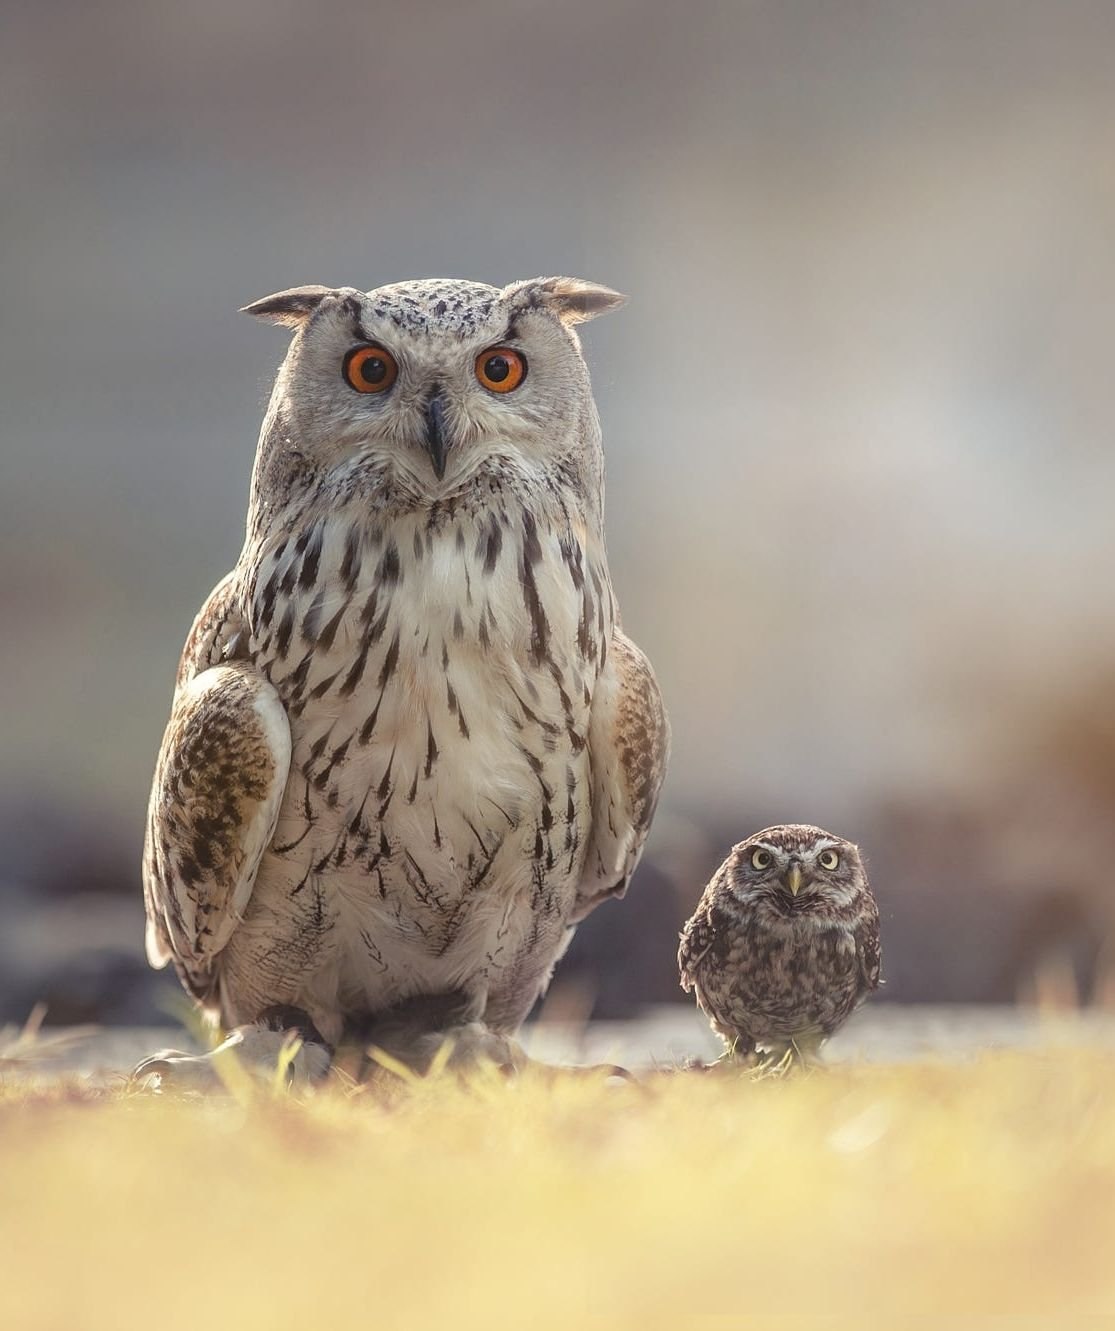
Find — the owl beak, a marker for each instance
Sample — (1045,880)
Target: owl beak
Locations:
(793,877)
(437,443)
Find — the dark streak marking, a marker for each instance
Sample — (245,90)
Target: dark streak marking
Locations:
(370,724)
(354,826)
(320,690)
(492,546)
(329,632)
(431,748)
(385,784)
(389,572)
(350,564)
(390,661)
(286,630)
(355,674)
(540,629)
(311,559)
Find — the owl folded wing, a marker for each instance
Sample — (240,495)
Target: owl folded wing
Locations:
(867,945)
(629,740)
(697,940)
(218,786)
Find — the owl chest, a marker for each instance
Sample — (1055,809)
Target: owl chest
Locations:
(438,691)
(783,976)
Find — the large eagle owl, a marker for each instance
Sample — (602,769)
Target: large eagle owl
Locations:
(410,747)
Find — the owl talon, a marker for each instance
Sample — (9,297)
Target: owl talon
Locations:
(251,1054)
(457,1049)
(776,1066)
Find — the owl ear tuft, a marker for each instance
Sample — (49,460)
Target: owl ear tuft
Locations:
(571,299)
(291,308)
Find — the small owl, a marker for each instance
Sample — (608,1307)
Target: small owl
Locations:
(410,746)
(784,943)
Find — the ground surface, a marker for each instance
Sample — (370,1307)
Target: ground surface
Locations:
(882,1033)
(920,1192)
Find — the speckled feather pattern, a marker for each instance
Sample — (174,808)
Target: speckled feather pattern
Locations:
(475,748)
(769,967)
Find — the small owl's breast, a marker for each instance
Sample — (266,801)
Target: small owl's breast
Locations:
(777,978)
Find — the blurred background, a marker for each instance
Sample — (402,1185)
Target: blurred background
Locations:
(857,415)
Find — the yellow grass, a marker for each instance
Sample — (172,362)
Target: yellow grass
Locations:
(924,1196)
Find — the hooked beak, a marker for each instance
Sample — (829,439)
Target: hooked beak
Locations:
(437,442)
(793,877)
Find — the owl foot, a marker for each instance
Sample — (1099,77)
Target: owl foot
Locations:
(776,1064)
(800,1055)
(458,1048)
(281,1049)
(428,1034)
(739,1057)
(742,1059)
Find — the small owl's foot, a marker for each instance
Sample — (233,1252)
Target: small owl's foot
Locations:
(282,1048)
(739,1056)
(774,1064)
(801,1054)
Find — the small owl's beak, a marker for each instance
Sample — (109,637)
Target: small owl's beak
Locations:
(437,442)
(793,878)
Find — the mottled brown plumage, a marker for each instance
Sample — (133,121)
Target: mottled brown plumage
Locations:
(410,746)
(784,943)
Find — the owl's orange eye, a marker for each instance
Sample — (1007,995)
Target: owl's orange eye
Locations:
(500,369)
(370,369)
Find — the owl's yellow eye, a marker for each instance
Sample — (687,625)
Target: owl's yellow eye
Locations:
(500,369)
(828,859)
(761,859)
(370,369)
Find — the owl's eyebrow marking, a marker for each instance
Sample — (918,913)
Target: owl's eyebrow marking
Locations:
(360,331)
(352,309)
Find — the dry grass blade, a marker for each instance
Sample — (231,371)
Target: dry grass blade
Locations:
(23,1046)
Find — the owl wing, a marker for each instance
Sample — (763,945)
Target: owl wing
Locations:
(868,950)
(629,742)
(697,939)
(219,782)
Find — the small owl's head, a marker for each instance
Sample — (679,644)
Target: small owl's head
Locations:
(793,865)
(432,379)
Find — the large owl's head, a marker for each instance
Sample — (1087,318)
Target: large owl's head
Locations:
(431,379)
(795,866)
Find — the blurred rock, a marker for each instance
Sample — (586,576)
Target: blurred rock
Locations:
(67,851)
(71,922)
